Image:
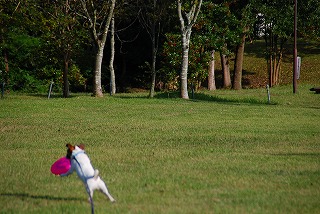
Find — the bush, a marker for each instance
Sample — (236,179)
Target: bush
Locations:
(21,80)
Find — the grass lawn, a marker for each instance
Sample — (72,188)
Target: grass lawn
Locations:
(223,152)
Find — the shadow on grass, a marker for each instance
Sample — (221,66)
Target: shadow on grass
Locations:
(297,154)
(52,96)
(45,197)
(198,96)
(212,98)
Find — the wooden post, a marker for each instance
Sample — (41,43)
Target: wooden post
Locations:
(50,89)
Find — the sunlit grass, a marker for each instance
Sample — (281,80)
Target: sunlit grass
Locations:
(223,152)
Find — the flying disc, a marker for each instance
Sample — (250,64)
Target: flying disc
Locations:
(61,166)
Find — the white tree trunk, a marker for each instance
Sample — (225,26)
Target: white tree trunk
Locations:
(152,33)
(184,67)
(153,70)
(185,28)
(97,87)
(111,68)
(99,37)
(211,78)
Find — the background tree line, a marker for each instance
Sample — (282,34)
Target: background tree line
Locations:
(109,46)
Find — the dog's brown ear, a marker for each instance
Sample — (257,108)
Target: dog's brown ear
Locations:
(69,150)
(81,146)
(70,147)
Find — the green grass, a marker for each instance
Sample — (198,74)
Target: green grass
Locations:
(223,152)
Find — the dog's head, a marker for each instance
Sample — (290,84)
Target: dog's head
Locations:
(70,149)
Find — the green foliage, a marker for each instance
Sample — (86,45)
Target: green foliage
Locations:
(22,80)
(221,27)
(308,19)
(278,20)
(51,73)
(198,59)
(77,80)
(23,58)
(23,49)
(171,62)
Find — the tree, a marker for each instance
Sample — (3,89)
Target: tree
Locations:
(205,28)
(62,30)
(151,17)
(242,12)
(223,35)
(225,66)
(98,16)
(238,64)
(187,20)
(211,76)
(19,46)
(7,18)
(308,21)
(124,16)
(276,24)
(198,59)
(112,53)
(57,25)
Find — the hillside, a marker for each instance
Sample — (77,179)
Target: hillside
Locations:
(255,73)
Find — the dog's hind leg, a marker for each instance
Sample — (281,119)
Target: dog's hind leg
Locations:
(103,188)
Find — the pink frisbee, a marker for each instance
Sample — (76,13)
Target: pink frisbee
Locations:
(61,166)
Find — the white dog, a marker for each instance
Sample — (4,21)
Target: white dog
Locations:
(90,177)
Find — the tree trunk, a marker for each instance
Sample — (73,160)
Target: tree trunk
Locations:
(269,64)
(184,67)
(274,60)
(274,70)
(154,48)
(211,79)
(153,70)
(97,87)
(225,71)
(6,63)
(99,38)
(278,68)
(185,29)
(111,68)
(154,57)
(237,78)
(66,91)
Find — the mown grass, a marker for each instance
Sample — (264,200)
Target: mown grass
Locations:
(223,152)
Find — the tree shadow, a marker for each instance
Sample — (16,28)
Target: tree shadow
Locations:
(52,96)
(297,154)
(211,98)
(44,197)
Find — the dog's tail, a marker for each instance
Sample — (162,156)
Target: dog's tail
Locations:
(96,174)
